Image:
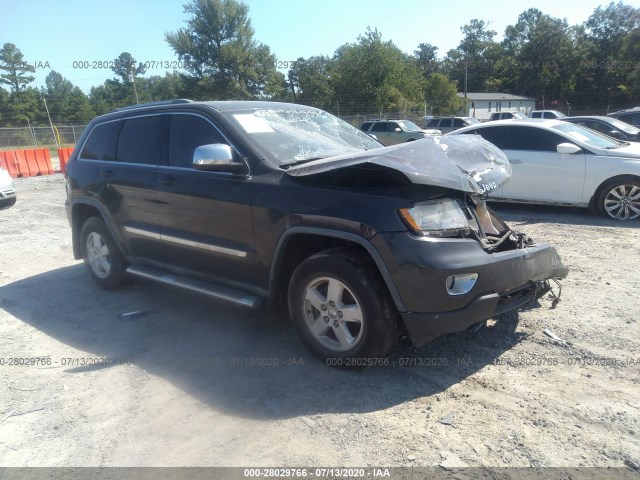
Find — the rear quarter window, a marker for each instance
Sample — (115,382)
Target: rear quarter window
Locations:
(102,141)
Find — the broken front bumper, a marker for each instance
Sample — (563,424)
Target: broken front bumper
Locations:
(506,281)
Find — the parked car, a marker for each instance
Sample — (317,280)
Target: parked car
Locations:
(449,124)
(630,116)
(8,195)
(288,209)
(561,163)
(608,126)
(392,132)
(505,116)
(546,114)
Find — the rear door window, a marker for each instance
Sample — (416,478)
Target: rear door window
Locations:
(499,136)
(141,140)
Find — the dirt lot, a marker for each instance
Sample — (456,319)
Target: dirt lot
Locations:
(176,386)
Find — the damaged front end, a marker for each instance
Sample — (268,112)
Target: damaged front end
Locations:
(460,263)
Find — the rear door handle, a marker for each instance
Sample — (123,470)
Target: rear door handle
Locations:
(168,180)
(106,173)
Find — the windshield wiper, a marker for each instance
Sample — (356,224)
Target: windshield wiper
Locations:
(287,166)
(624,144)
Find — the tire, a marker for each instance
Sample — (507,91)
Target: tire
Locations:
(620,199)
(101,255)
(8,203)
(342,309)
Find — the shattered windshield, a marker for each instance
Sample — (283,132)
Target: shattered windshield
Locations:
(464,162)
(294,136)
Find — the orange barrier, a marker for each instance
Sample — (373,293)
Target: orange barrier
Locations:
(63,156)
(43,159)
(16,165)
(26,163)
(30,160)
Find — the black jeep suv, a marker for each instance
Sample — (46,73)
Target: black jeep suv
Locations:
(291,210)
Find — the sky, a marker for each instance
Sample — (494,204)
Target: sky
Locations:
(72,37)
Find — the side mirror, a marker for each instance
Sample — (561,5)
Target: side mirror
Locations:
(216,157)
(615,134)
(397,129)
(568,148)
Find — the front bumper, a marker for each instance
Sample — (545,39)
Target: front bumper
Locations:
(7,193)
(506,280)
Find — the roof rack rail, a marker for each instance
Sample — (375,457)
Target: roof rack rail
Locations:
(154,104)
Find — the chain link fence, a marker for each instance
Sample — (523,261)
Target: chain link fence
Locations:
(38,137)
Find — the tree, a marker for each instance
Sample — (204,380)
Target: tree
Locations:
(427,58)
(540,52)
(110,95)
(442,96)
(310,81)
(609,38)
(477,52)
(12,62)
(219,53)
(125,67)
(372,75)
(67,103)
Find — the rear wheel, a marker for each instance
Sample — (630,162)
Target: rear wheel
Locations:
(342,310)
(620,199)
(101,255)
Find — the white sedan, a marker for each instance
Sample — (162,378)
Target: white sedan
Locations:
(7,190)
(555,162)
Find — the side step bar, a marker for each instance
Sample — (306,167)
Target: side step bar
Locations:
(216,291)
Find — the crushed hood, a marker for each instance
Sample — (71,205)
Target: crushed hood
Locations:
(461,162)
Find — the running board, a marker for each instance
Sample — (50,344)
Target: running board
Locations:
(216,291)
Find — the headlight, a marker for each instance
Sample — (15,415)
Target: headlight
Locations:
(436,218)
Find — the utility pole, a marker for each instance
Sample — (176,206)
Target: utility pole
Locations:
(133,81)
(53,132)
(466,71)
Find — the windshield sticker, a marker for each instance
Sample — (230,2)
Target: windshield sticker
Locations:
(253,124)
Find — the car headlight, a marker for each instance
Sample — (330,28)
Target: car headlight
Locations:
(437,218)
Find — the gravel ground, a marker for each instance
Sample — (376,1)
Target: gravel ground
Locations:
(192,382)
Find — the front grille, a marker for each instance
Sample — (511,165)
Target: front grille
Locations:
(8,193)
(517,298)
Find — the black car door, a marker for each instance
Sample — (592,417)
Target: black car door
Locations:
(124,156)
(207,223)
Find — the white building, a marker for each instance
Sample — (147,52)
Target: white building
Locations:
(482,105)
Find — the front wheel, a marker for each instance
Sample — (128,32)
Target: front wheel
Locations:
(10,202)
(621,199)
(342,309)
(101,255)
